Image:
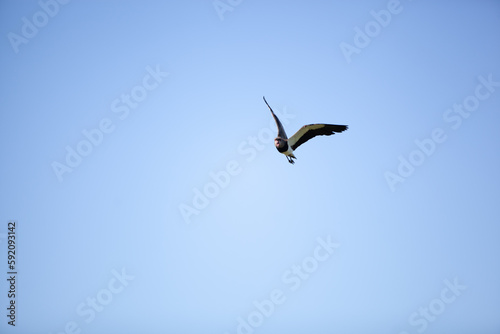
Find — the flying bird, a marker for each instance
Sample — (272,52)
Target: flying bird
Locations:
(287,145)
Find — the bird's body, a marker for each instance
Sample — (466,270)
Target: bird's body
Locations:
(286,150)
(287,145)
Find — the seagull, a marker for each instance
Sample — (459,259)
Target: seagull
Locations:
(287,145)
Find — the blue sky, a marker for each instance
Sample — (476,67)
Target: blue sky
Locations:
(138,163)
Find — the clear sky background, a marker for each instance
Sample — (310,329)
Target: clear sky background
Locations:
(389,227)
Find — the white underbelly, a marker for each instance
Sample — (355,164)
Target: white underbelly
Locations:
(289,152)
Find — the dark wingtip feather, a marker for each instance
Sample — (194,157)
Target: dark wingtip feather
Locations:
(334,128)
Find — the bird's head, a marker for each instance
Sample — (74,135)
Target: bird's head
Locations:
(279,143)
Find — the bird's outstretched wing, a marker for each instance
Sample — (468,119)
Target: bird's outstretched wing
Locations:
(312,130)
(281,130)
